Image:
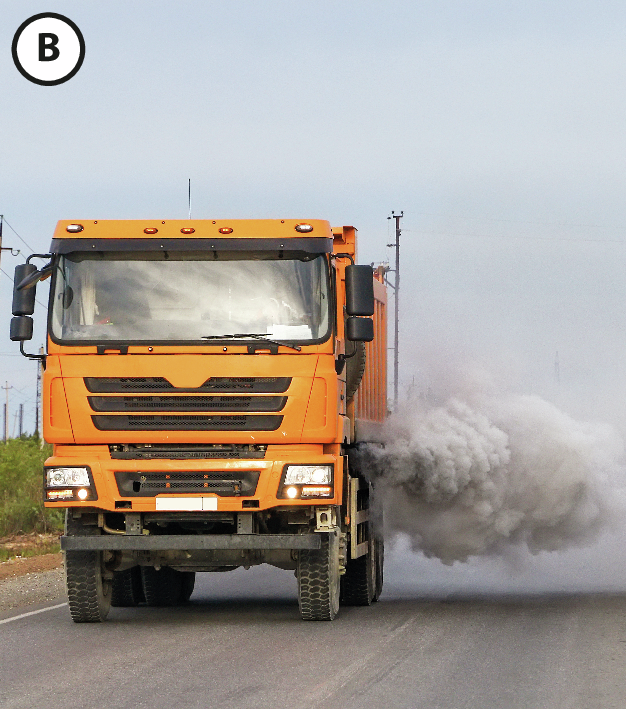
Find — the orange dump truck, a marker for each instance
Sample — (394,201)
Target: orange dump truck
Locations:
(205,383)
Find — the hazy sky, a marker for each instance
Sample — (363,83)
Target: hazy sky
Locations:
(498,127)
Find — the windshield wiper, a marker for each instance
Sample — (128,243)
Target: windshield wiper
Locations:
(254,336)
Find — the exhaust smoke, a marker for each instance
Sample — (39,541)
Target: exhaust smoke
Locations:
(482,474)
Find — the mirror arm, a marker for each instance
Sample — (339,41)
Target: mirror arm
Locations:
(340,362)
(39,256)
(40,357)
(345,256)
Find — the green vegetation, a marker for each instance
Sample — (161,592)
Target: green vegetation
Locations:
(21,485)
(31,546)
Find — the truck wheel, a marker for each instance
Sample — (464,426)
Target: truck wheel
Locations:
(358,584)
(88,592)
(318,580)
(162,587)
(355,369)
(187,585)
(379,547)
(127,588)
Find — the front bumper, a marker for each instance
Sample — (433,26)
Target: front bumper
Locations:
(187,542)
(112,477)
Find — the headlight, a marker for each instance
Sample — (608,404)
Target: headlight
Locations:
(67,477)
(308,475)
(69,483)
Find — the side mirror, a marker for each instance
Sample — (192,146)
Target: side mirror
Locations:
(24,299)
(359,290)
(360,329)
(21,328)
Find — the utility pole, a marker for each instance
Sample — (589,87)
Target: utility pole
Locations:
(38,395)
(397,218)
(6,387)
(5,248)
(557,370)
(21,420)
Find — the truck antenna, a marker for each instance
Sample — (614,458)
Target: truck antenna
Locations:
(190,198)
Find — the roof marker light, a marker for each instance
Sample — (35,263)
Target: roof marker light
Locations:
(187,230)
(74,228)
(304,228)
(150,230)
(225,230)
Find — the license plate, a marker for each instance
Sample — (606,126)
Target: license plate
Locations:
(186,504)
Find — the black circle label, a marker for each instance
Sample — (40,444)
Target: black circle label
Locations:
(48,49)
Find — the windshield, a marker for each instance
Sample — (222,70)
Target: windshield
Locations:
(169,297)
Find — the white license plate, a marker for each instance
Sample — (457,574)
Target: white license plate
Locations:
(186,504)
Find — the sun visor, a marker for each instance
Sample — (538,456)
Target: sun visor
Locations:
(296,248)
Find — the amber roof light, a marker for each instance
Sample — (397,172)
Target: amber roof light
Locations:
(226,230)
(187,230)
(150,230)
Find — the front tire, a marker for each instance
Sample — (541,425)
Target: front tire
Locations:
(88,590)
(318,579)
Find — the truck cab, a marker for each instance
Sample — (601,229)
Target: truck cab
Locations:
(206,386)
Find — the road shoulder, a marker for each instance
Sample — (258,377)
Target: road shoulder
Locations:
(24,582)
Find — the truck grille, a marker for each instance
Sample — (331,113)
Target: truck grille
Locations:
(223,483)
(186,423)
(187,403)
(189,451)
(148,385)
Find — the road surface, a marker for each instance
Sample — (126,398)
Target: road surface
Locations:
(240,644)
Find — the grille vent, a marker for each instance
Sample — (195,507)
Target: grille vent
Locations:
(223,483)
(188,423)
(147,385)
(190,451)
(187,403)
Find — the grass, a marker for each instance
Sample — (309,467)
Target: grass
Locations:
(28,545)
(21,489)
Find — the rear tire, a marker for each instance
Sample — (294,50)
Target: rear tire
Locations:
(318,580)
(163,587)
(379,547)
(187,585)
(355,369)
(358,584)
(127,588)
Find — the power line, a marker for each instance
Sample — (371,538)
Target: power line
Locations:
(11,279)
(18,236)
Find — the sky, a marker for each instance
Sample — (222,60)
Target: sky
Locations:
(498,127)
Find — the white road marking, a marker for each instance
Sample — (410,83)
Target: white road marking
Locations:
(25,615)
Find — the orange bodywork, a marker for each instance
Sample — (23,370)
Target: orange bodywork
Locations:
(311,420)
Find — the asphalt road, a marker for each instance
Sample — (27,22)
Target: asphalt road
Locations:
(240,643)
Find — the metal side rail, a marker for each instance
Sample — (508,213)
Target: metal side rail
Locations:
(165,542)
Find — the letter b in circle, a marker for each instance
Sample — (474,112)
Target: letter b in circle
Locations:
(48,43)
(48,49)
